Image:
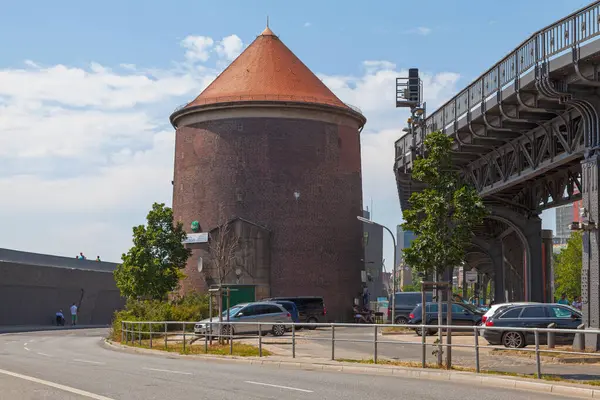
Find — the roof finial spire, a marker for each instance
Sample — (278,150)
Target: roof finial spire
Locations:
(267,31)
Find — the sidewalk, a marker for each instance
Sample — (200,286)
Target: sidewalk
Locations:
(36,328)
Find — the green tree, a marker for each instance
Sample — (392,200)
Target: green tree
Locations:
(567,269)
(152,267)
(444,214)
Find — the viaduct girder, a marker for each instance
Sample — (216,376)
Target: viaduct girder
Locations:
(522,128)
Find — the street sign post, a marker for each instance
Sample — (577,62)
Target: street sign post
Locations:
(471,276)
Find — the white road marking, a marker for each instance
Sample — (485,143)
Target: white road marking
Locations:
(167,370)
(25,344)
(44,354)
(56,385)
(280,387)
(89,362)
(26,348)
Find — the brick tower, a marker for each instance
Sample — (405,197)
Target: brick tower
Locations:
(268,142)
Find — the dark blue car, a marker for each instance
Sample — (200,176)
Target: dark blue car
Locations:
(291,308)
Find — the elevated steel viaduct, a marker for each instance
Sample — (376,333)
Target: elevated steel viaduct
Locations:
(527,136)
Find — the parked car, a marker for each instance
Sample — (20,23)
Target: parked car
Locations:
(311,309)
(531,316)
(290,306)
(275,315)
(496,307)
(405,303)
(462,314)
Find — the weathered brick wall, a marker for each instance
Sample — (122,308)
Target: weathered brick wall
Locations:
(252,168)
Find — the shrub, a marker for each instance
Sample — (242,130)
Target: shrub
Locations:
(192,307)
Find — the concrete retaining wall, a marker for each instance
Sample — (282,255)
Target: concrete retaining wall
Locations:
(31,293)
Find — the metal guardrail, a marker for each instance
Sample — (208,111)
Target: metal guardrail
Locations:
(137,331)
(567,33)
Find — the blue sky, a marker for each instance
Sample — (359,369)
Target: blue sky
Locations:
(86,90)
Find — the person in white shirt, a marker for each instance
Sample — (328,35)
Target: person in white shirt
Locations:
(73,314)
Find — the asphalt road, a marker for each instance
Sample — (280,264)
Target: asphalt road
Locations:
(73,365)
(356,343)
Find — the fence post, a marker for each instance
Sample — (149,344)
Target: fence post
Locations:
(122,327)
(551,336)
(230,339)
(375,345)
(476,331)
(332,342)
(206,328)
(579,341)
(183,324)
(423,346)
(259,340)
(538,365)
(166,336)
(294,340)
(150,326)
(140,332)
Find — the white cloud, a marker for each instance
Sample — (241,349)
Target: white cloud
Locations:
(84,151)
(197,47)
(229,47)
(374,92)
(96,87)
(421,30)
(307,24)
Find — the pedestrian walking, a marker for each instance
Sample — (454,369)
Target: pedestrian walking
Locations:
(577,303)
(73,315)
(563,299)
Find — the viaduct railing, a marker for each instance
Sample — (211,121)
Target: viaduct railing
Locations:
(571,31)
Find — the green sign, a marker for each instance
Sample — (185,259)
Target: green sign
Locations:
(195,226)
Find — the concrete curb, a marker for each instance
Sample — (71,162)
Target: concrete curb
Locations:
(404,372)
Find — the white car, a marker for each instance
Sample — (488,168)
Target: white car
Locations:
(272,316)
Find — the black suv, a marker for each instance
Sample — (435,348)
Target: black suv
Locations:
(405,303)
(462,314)
(311,309)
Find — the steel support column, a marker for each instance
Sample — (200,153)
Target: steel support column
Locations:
(534,271)
(590,274)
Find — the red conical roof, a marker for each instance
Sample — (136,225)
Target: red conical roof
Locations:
(267,71)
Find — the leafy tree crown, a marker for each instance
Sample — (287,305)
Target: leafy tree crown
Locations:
(444,214)
(152,267)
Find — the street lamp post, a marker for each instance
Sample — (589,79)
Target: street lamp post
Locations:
(368,221)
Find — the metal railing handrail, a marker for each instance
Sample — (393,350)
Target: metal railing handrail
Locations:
(384,325)
(576,28)
(128,333)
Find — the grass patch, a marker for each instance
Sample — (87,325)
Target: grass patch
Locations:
(531,354)
(239,349)
(395,329)
(412,364)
